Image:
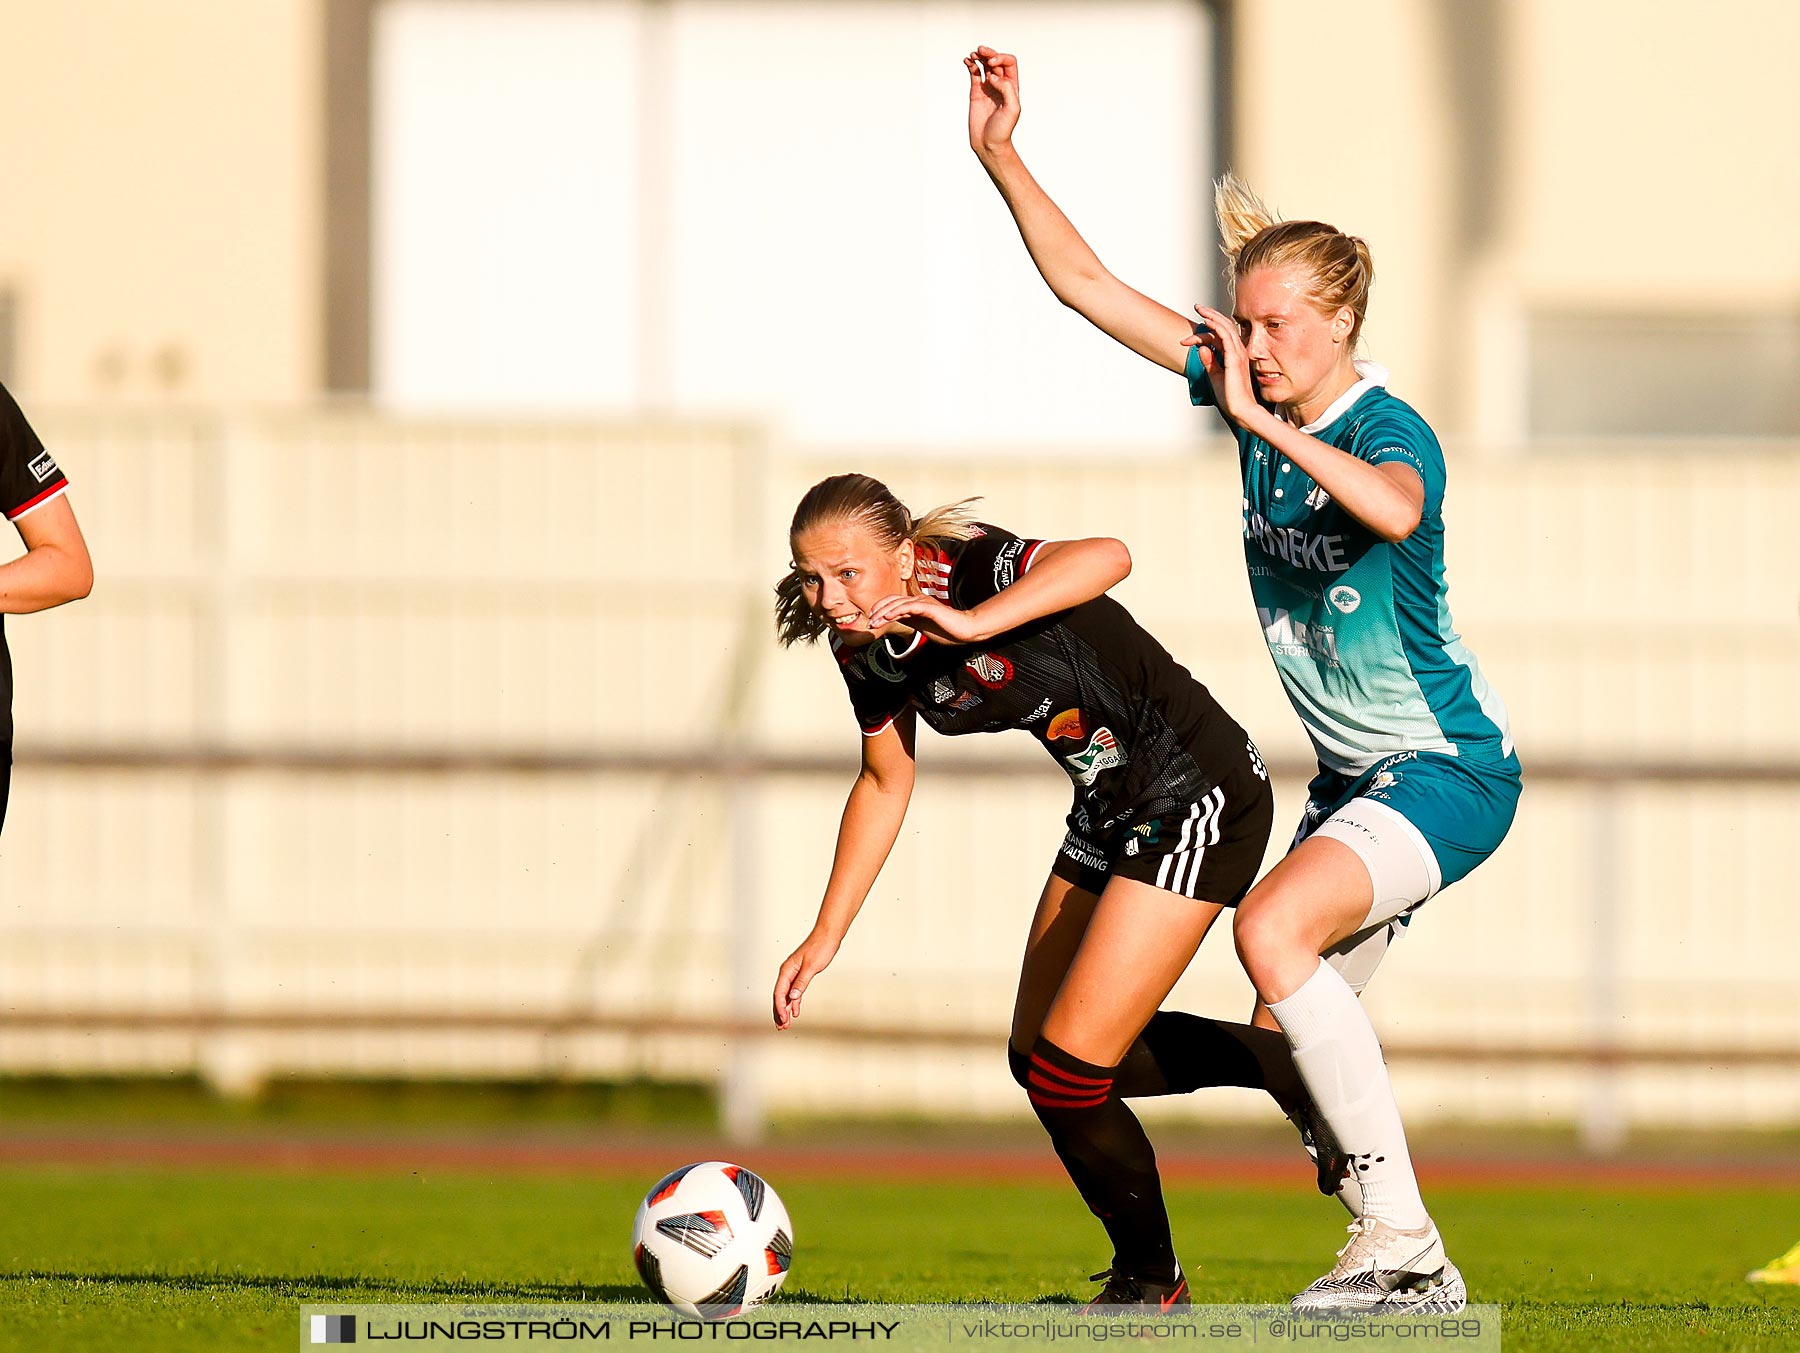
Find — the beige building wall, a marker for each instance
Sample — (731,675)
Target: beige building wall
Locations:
(1338,117)
(165,171)
(163,197)
(1657,153)
(1507,157)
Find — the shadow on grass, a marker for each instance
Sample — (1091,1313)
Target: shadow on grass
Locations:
(329,1285)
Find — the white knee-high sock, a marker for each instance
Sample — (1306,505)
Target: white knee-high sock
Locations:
(1339,1058)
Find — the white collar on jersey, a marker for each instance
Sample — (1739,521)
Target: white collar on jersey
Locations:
(1371,376)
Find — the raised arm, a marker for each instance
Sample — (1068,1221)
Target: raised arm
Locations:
(1072,270)
(1063,573)
(871,823)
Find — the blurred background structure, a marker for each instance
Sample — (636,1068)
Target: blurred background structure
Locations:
(436,377)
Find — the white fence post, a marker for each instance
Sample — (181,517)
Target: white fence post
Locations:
(1602,1122)
(230,1061)
(743,1103)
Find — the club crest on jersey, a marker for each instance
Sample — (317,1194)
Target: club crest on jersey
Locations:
(1068,724)
(1101,753)
(990,669)
(882,663)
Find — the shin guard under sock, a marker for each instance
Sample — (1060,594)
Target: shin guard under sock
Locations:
(1340,1059)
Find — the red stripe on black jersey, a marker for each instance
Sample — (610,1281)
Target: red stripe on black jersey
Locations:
(38,501)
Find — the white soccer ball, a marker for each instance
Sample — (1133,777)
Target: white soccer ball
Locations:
(712,1240)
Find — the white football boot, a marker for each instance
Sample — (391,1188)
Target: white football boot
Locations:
(1384,1270)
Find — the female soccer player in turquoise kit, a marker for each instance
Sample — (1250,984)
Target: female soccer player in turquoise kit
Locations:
(1343,486)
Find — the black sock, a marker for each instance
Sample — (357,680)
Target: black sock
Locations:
(1178,1053)
(1103,1147)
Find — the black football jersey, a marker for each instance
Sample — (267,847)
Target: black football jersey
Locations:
(1130,725)
(29,478)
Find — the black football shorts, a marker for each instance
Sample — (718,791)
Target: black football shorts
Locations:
(1210,850)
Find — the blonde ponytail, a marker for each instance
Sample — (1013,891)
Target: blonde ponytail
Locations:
(1242,214)
(942,525)
(1338,267)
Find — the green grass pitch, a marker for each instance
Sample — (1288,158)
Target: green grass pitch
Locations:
(195,1259)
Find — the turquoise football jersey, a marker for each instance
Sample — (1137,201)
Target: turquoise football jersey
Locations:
(1359,628)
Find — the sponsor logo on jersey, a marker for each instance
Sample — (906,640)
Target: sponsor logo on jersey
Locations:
(1291,638)
(42,467)
(1315,812)
(1083,853)
(1324,554)
(1068,724)
(1150,833)
(1006,564)
(1317,499)
(1102,753)
(990,669)
(1344,597)
(1042,709)
(967,700)
(1256,762)
(1131,846)
(1384,780)
(942,691)
(1406,453)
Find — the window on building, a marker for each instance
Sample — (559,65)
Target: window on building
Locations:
(1650,374)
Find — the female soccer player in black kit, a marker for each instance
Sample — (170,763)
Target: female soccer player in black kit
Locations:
(976,630)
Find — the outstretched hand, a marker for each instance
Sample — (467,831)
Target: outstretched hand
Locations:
(993,98)
(805,963)
(1226,362)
